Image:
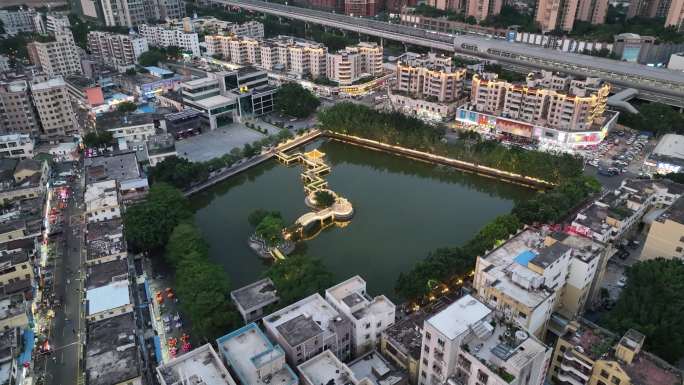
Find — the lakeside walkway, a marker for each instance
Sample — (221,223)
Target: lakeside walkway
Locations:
(314,134)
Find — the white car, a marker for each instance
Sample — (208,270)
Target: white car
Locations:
(622,282)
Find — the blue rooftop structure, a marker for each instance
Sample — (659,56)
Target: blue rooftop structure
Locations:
(525,257)
(29,343)
(254,359)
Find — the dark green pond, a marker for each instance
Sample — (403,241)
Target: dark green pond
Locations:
(404,208)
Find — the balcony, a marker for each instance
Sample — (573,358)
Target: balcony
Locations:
(570,369)
(571,378)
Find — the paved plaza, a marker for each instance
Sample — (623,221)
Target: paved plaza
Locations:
(212,144)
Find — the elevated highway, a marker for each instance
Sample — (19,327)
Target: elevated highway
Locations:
(662,85)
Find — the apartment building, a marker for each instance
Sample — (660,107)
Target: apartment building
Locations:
(15,266)
(14,312)
(296,56)
(201,366)
(666,235)
(670,10)
(612,215)
(587,354)
(255,360)
(430,76)
(161,36)
(22,179)
(481,9)
(532,275)
(105,242)
(210,25)
(53,104)
(362,8)
(102,201)
(112,348)
(401,343)
(469,343)
(251,300)
(130,130)
(369,369)
(20,21)
(355,62)
(593,11)
(58,55)
(545,99)
(17,115)
(18,146)
(309,327)
(116,50)
(369,316)
(132,13)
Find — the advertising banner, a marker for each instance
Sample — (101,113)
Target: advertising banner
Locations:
(514,128)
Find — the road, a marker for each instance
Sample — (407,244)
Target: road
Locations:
(68,328)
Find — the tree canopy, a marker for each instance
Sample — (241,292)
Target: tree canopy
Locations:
(652,302)
(185,240)
(294,100)
(298,276)
(149,224)
(98,139)
(270,229)
(396,128)
(125,107)
(657,118)
(151,58)
(178,172)
(324,198)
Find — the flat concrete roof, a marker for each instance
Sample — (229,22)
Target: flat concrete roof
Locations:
(108,297)
(459,316)
(215,101)
(111,351)
(255,295)
(250,353)
(671,145)
(201,364)
(304,319)
(327,369)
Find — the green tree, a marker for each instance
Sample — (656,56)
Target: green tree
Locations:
(149,224)
(258,215)
(98,139)
(126,107)
(298,276)
(185,240)
(174,52)
(324,198)
(179,172)
(294,100)
(270,229)
(151,58)
(655,117)
(675,177)
(203,289)
(652,302)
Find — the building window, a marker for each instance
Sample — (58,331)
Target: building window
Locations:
(423,374)
(440,342)
(427,336)
(604,374)
(615,380)
(678,249)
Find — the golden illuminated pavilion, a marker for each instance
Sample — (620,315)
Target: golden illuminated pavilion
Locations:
(314,155)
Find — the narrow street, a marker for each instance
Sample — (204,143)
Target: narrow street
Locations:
(68,328)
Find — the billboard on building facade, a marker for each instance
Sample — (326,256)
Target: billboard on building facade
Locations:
(514,128)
